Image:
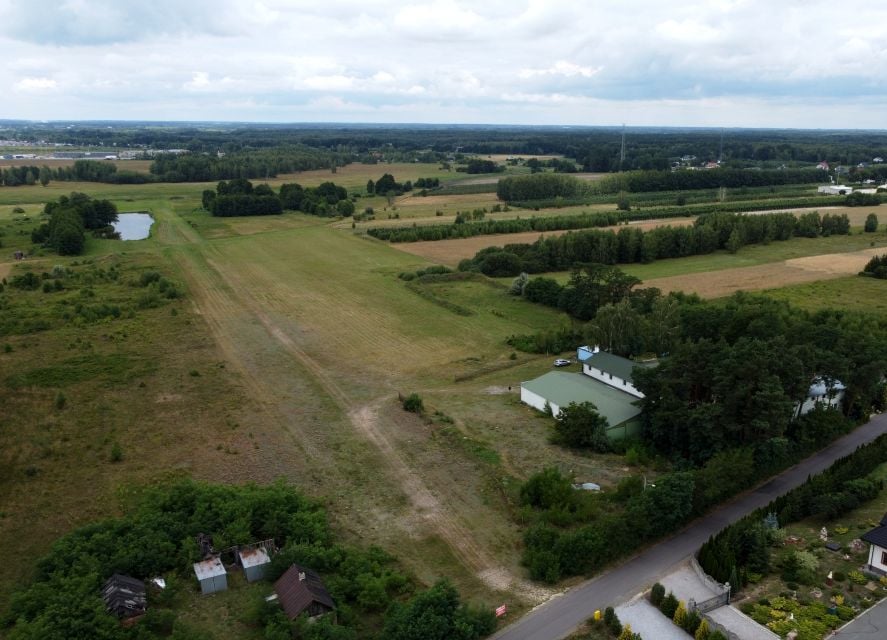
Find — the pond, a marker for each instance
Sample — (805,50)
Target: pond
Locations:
(133,226)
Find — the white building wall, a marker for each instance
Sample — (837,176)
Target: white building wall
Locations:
(826,402)
(611,380)
(876,558)
(536,401)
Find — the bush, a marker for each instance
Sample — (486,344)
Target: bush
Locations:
(669,605)
(657,594)
(116,453)
(413,403)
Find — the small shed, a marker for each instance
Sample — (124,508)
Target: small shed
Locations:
(211,574)
(124,596)
(300,590)
(254,563)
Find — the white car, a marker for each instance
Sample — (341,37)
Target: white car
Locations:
(560,362)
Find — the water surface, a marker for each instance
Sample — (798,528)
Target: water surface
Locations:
(133,226)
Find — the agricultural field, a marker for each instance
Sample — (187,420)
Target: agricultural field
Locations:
(138,166)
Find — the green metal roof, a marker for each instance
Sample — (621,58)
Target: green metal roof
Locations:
(617,365)
(562,388)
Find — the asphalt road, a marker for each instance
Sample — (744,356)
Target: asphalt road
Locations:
(871,625)
(561,615)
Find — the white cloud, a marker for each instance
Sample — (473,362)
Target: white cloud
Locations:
(687,31)
(35,85)
(561,68)
(552,61)
(198,82)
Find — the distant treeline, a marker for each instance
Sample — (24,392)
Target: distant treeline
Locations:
(239,197)
(489,227)
(70,218)
(259,163)
(593,148)
(630,244)
(547,186)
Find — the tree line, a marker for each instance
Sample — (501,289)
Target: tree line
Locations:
(489,227)
(157,537)
(876,267)
(709,233)
(238,197)
(547,186)
(70,217)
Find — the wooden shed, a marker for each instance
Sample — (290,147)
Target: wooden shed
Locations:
(125,596)
(212,575)
(300,590)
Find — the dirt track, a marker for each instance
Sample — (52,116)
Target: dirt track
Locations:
(290,388)
(716,284)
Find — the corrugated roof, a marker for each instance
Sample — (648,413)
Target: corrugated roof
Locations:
(298,588)
(877,537)
(562,388)
(124,596)
(253,557)
(209,568)
(617,365)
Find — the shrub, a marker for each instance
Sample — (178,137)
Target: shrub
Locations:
(657,594)
(669,605)
(116,453)
(413,403)
(857,577)
(839,576)
(60,401)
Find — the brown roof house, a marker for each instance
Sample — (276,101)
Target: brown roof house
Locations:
(300,590)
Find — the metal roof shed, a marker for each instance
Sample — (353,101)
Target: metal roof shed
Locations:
(254,563)
(212,575)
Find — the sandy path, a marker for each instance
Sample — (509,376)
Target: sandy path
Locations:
(716,284)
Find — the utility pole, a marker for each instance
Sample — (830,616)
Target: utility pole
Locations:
(622,151)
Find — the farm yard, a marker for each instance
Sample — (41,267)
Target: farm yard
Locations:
(294,337)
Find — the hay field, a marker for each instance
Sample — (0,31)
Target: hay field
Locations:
(716,284)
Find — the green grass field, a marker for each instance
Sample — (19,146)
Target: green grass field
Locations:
(853,293)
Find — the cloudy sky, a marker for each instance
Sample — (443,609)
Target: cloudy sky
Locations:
(785,63)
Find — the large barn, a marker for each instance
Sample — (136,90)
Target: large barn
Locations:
(605,381)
